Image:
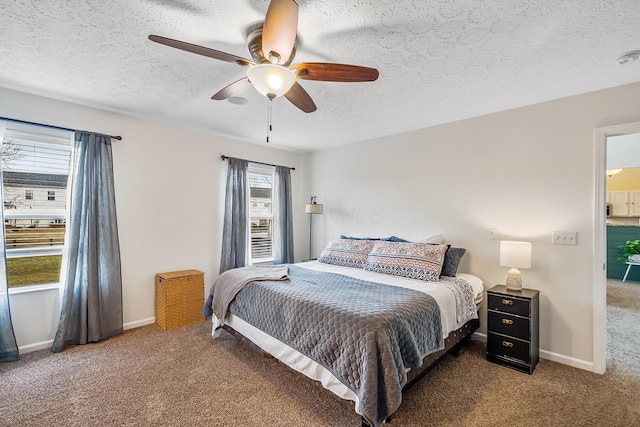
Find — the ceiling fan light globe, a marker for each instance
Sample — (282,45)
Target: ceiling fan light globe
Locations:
(270,79)
(274,81)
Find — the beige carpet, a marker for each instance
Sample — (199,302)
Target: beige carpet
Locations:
(182,378)
(623,328)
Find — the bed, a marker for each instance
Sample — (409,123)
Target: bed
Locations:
(365,335)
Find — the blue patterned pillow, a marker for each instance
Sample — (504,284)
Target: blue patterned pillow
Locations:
(347,252)
(394,239)
(359,238)
(436,239)
(422,261)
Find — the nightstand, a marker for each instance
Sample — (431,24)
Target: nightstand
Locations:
(512,328)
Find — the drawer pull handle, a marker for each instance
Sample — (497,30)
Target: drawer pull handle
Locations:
(507,344)
(507,321)
(507,302)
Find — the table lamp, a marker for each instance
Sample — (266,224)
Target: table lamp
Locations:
(515,255)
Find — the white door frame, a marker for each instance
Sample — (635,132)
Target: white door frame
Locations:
(599,242)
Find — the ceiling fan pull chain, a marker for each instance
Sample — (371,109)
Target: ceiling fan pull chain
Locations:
(269,128)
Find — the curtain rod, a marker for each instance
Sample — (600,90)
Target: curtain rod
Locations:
(119,138)
(223,157)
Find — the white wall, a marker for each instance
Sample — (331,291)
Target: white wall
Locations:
(170,200)
(526,172)
(623,151)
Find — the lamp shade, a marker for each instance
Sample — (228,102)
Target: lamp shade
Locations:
(515,254)
(313,208)
(271,80)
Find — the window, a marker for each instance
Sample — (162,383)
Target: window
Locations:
(37,158)
(261,180)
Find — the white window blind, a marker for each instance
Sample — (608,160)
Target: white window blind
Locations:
(261,180)
(35,173)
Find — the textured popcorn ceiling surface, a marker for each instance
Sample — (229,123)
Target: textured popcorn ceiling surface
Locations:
(439,60)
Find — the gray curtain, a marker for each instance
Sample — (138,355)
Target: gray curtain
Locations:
(235,231)
(92,300)
(283,217)
(8,345)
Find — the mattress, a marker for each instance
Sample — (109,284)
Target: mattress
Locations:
(315,371)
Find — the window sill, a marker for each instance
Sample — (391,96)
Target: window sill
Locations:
(34,288)
(264,261)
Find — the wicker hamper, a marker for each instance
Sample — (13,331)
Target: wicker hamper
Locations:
(179,298)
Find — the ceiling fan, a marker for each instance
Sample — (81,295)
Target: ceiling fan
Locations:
(273,46)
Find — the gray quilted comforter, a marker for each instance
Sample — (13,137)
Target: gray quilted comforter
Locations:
(365,333)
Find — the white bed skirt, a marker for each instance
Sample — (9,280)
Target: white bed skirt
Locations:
(287,355)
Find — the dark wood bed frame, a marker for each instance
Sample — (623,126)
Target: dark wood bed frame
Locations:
(452,345)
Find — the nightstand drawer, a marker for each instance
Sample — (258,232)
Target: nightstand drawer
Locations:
(506,324)
(513,348)
(507,304)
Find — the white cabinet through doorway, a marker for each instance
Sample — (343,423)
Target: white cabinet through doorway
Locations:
(624,203)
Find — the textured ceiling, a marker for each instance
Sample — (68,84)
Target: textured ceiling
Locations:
(439,60)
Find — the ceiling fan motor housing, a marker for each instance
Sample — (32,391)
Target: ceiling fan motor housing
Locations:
(254,41)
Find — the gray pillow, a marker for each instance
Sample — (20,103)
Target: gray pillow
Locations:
(451,261)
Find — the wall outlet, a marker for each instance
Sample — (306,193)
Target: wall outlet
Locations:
(564,238)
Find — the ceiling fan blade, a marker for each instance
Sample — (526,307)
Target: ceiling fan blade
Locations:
(300,98)
(235,88)
(329,72)
(201,50)
(280,29)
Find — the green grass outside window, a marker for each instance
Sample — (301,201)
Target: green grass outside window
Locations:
(34,270)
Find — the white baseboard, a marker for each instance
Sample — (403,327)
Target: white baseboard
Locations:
(139,323)
(47,344)
(35,346)
(549,355)
(566,360)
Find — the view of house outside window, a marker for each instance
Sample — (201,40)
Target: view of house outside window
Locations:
(35,172)
(261,180)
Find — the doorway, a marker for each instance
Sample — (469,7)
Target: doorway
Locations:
(600,252)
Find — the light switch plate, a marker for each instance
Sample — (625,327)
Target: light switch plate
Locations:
(564,238)
(494,234)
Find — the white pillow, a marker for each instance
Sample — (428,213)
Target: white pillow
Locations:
(437,239)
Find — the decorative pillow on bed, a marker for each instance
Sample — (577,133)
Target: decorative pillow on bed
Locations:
(452,260)
(421,261)
(359,238)
(436,239)
(394,239)
(347,252)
